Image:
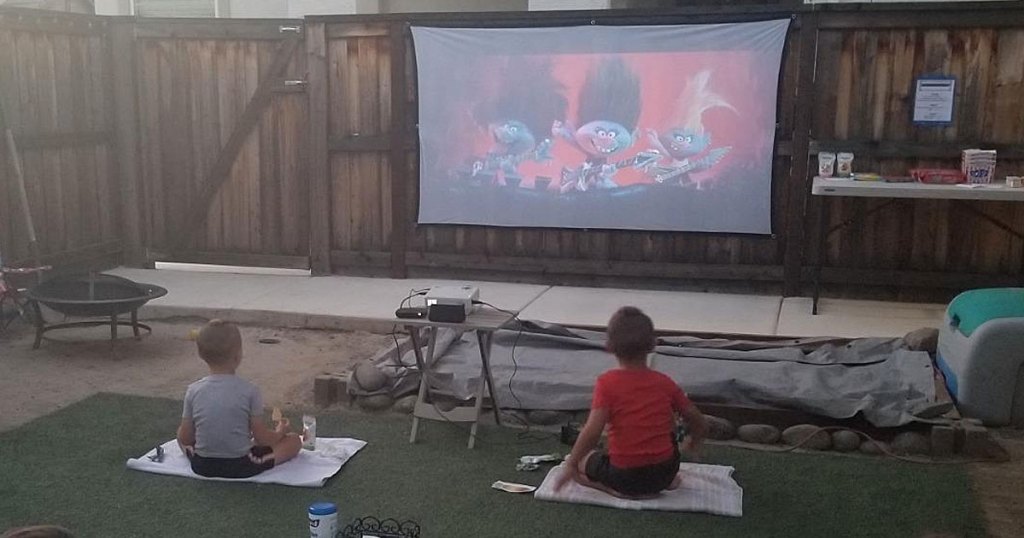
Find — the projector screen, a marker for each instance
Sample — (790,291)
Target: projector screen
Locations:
(615,127)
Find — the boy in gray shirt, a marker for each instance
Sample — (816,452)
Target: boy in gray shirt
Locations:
(222,430)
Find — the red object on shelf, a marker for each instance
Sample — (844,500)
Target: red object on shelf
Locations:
(944,176)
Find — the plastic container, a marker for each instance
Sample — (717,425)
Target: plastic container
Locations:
(826,164)
(309,432)
(323,520)
(844,164)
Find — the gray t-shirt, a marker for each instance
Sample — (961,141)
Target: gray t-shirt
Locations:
(221,406)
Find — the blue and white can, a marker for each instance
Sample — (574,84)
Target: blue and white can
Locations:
(323,520)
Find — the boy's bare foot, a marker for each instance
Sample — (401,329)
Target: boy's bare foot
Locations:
(676,482)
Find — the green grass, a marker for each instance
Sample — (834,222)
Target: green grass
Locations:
(68,468)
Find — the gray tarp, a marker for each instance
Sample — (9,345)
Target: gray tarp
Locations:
(557,367)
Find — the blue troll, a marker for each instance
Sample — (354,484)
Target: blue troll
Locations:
(517,119)
(608,111)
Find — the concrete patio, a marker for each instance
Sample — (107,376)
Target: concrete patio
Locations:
(369,304)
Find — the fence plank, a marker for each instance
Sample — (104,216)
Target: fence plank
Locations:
(797,192)
(317,156)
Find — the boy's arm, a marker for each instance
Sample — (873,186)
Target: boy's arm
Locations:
(186,436)
(698,429)
(587,441)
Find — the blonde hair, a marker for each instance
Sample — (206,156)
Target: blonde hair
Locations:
(219,341)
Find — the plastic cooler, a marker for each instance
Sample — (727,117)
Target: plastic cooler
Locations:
(981,354)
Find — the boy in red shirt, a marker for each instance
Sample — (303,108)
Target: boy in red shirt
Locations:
(639,406)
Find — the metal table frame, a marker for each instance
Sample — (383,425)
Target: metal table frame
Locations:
(485,323)
(900,194)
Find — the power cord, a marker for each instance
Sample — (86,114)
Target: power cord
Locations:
(527,435)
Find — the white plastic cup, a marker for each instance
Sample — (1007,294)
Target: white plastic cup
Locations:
(309,432)
(323,520)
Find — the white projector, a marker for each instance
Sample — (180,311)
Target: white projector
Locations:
(451,304)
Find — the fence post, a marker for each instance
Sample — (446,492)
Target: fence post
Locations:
(126,138)
(318,157)
(400,180)
(798,188)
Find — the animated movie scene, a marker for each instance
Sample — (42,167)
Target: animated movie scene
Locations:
(645,128)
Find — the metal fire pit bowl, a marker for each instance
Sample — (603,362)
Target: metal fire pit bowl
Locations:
(92,295)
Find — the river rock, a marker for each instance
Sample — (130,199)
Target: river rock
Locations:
(368,378)
(872,447)
(720,429)
(911,443)
(405,404)
(845,441)
(799,434)
(376,402)
(543,417)
(764,434)
(926,339)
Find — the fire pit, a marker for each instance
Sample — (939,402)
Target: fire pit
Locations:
(93,295)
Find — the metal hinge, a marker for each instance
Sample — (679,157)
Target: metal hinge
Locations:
(296,82)
(292,29)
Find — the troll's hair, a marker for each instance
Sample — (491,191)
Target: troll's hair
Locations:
(612,93)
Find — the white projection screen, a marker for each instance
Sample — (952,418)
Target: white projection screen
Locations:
(608,127)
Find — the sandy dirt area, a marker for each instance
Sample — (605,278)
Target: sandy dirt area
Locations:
(998,488)
(77,363)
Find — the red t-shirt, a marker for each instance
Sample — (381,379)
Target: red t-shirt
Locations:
(641,407)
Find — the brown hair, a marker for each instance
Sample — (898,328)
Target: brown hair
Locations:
(40,531)
(219,341)
(630,334)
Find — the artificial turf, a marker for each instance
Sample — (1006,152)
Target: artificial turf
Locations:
(68,468)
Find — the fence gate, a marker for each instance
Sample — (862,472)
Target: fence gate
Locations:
(221,130)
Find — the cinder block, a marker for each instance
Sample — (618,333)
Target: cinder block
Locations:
(325,390)
(943,441)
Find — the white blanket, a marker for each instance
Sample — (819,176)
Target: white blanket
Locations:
(310,469)
(705,488)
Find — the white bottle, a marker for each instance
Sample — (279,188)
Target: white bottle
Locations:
(309,432)
(323,520)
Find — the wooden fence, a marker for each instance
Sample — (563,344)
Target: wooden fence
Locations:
(293,143)
(55,87)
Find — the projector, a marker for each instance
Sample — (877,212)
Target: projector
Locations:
(451,304)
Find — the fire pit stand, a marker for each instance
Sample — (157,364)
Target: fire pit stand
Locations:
(93,295)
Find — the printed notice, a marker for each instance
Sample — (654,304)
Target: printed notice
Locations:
(933,101)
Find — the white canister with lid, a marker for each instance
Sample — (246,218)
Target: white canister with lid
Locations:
(323,520)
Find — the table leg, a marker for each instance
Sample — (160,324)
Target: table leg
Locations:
(418,353)
(113,327)
(486,340)
(40,324)
(819,258)
(424,364)
(135,323)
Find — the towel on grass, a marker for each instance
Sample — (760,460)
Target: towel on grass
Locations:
(705,488)
(310,469)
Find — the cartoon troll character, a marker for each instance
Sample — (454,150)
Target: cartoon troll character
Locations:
(517,119)
(608,111)
(683,143)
